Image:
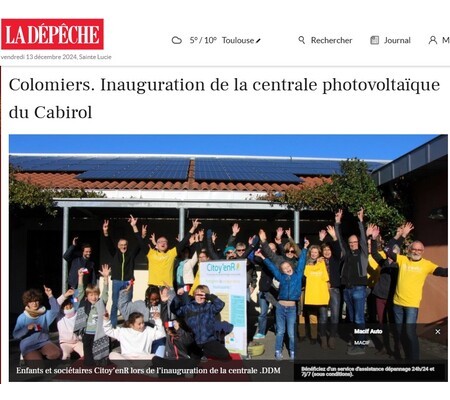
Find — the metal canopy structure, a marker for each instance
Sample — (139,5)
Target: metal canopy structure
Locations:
(181,205)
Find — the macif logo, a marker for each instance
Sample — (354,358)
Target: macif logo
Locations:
(52,34)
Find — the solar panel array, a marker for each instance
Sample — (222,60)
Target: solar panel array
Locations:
(252,170)
(168,168)
(108,168)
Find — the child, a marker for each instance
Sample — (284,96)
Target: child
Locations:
(289,293)
(178,341)
(154,307)
(200,316)
(155,304)
(89,318)
(32,326)
(317,294)
(177,350)
(135,337)
(68,340)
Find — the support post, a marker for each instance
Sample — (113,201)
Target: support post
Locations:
(297,226)
(65,244)
(181,222)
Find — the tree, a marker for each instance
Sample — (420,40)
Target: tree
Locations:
(352,189)
(25,195)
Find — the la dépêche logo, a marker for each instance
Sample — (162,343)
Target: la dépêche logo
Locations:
(52,34)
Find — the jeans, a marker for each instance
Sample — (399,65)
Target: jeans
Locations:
(355,300)
(386,319)
(159,347)
(335,309)
(285,317)
(317,314)
(407,317)
(262,319)
(117,286)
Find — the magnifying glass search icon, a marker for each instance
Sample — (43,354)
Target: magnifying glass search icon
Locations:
(301,39)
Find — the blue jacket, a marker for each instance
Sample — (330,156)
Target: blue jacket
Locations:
(290,285)
(200,318)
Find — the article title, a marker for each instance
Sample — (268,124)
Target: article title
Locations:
(143,87)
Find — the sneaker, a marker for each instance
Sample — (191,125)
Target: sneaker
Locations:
(278,356)
(259,336)
(323,343)
(356,351)
(292,356)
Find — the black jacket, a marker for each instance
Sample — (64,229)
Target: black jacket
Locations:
(76,261)
(123,264)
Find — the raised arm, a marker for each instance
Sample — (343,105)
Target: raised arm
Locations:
(278,236)
(233,237)
(65,296)
(402,233)
(267,251)
(270,265)
(81,288)
(216,303)
(335,246)
(253,245)
(362,233)
(337,225)
(210,247)
(107,239)
(142,245)
(105,272)
(185,241)
(70,253)
(126,306)
(374,231)
(51,314)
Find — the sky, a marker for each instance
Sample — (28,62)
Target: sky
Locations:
(367,147)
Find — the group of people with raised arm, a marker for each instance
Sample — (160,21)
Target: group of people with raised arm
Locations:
(304,284)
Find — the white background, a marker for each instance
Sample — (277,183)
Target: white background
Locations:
(138,33)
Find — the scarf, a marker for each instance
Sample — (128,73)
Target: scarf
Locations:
(34,314)
(100,347)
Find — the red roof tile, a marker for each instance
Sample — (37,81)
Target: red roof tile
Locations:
(59,180)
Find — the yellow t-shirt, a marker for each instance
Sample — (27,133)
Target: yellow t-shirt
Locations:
(373,270)
(160,267)
(411,278)
(196,283)
(316,291)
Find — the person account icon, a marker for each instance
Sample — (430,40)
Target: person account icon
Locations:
(374,40)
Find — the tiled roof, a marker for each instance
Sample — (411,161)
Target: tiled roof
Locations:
(68,180)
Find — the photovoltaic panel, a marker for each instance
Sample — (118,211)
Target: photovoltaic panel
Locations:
(245,170)
(107,167)
(164,168)
(253,170)
(169,169)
